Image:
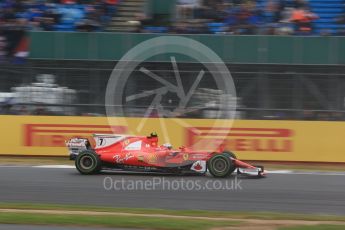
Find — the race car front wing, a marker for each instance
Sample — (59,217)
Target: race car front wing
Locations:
(247,169)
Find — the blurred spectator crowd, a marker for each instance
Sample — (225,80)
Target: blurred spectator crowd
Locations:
(57,15)
(282,17)
(19,16)
(248,16)
(267,17)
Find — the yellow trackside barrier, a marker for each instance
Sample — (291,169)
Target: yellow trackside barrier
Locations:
(310,141)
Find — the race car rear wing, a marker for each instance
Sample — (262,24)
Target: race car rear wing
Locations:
(76,145)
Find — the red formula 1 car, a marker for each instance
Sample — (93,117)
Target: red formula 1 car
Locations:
(140,153)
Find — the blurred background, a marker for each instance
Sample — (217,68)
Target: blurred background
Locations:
(286,56)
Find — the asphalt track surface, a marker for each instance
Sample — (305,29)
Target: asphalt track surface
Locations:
(296,193)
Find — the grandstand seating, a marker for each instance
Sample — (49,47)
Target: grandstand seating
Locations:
(127,13)
(216,27)
(70,16)
(130,12)
(328,11)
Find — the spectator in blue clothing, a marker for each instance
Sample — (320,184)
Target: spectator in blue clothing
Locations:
(243,19)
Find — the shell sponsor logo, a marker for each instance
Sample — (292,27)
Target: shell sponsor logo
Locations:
(126,142)
(140,158)
(152,158)
(199,166)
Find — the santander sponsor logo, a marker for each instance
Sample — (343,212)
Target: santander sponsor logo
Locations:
(243,139)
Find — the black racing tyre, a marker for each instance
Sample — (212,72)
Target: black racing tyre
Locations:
(88,162)
(220,165)
(230,154)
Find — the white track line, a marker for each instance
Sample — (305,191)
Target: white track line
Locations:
(54,166)
(39,166)
(291,172)
(281,172)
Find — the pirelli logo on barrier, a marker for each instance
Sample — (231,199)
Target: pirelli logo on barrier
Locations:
(243,139)
(55,135)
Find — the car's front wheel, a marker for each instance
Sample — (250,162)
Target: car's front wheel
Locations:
(230,154)
(220,165)
(88,162)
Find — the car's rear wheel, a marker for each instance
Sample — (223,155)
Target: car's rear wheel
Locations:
(220,165)
(88,162)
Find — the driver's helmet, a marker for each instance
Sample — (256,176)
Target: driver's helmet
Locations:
(167,145)
(153,134)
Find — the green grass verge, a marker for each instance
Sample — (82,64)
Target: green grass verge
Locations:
(112,221)
(198,213)
(315,227)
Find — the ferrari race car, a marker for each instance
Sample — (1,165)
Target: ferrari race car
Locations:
(140,153)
